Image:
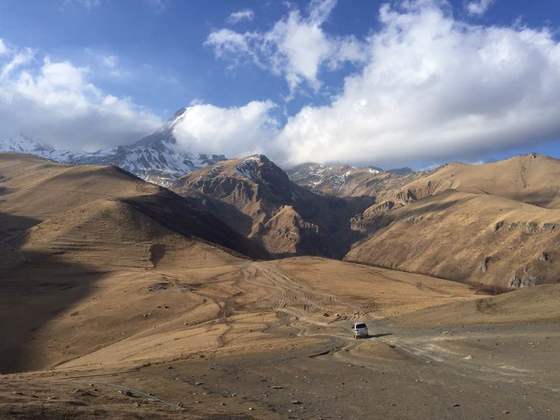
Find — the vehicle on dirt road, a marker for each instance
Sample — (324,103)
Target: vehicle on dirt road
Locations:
(360,330)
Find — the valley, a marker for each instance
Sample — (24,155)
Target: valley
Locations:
(123,299)
(353,213)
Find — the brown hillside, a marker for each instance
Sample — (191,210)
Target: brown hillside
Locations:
(533,179)
(258,200)
(467,237)
(67,230)
(35,190)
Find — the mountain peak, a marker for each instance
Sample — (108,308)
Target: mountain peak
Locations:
(23,144)
(259,168)
(155,157)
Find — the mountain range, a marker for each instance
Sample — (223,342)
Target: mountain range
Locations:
(122,293)
(155,158)
(258,200)
(491,224)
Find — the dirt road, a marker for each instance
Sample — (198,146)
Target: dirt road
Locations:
(272,340)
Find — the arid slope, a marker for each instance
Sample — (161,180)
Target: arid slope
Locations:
(477,224)
(68,229)
(118,309)
(533,179)
(257,199)
(35,190)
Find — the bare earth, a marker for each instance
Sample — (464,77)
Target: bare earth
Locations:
(108,310)
(272,340)
(496,224)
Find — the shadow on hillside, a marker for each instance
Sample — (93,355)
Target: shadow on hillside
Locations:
(413,212)
(35,288)
(333,217)
(13,226)
(178,214)
(227,212)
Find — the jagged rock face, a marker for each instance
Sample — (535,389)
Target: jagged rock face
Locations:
(469,223)
(373,218)
(258,199)
(348,181)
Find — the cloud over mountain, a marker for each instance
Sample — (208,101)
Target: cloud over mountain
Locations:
(423,85)
(55,102)
(233,131)
(432,87)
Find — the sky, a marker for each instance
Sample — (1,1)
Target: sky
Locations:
(387,83)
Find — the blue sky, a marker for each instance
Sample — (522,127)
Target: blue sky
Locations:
(160,44)
(362,81)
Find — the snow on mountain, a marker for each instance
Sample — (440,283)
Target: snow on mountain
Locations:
(155,158)
(249,167)
(347,181)
(22,144)
(314,175)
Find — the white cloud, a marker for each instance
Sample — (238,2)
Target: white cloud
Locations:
(478,7)
(88,4)
(435,88)
(104,65)
(233,131)
(159,6)
(240,16)
(19,59)
(296,47)
(230,43)
(3,47)
(110,61)
(55,102)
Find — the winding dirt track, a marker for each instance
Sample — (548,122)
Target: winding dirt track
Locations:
(272,340)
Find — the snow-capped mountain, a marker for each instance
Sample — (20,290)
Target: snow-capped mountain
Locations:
(22,144)
(155,158)
(329,178)
(346,180)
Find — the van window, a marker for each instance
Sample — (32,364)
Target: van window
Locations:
(361,326)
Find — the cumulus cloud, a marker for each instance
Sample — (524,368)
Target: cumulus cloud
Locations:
(435,88)
(296,47)
(232,45)
(18,59)
(232,131)
(104,65)
(478,7)
(240,16)
(55,102)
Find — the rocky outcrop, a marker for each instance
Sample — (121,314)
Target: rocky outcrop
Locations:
(258,200)
(473,238)
(349,181)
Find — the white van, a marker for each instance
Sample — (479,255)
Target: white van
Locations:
(360,330)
